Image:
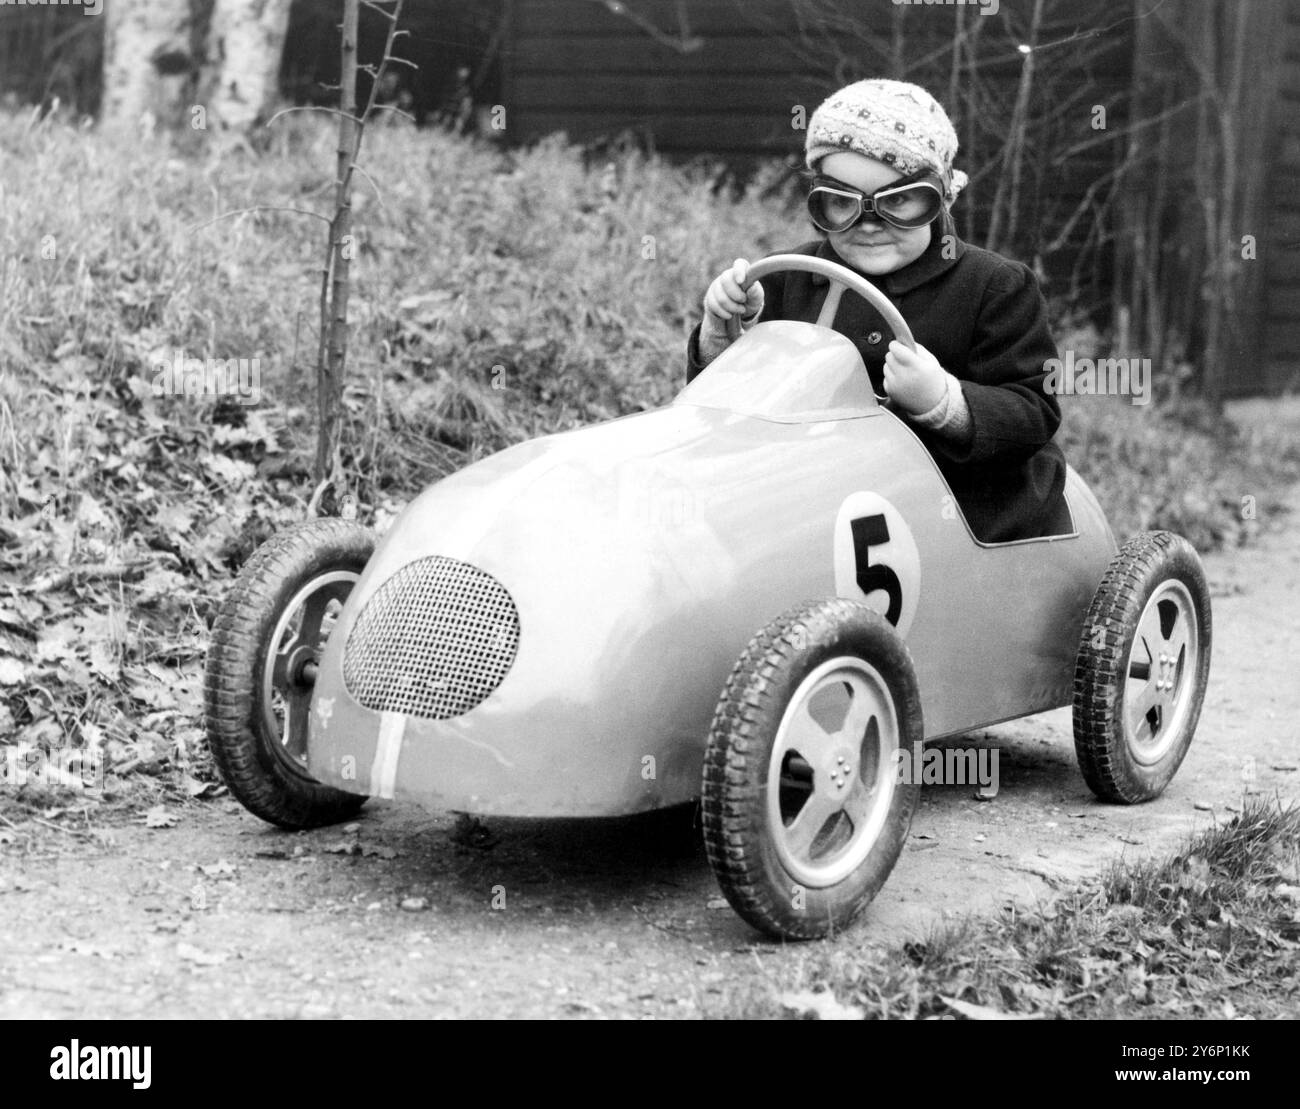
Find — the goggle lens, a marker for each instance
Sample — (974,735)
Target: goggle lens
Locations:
(907,206)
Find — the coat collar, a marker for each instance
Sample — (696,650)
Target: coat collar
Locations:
(927,267)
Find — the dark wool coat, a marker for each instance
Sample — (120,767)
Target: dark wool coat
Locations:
(984,318)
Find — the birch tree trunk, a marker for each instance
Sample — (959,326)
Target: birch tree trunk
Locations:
(148,62)
(244,48)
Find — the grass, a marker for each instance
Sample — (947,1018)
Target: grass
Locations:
(499,295)
(1211,931)
(1179,467)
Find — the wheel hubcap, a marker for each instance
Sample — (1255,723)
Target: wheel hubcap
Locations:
(1160,672)
(833,771)
(293,656)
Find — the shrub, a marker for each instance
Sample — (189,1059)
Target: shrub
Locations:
(499,294)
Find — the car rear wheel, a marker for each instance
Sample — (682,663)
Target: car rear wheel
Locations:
(266,645)
(804,810)
(1144,660)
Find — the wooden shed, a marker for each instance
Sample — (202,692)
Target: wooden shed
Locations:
(735,81)
(1143,155)
(1274,311)
(726,79)
(712,78)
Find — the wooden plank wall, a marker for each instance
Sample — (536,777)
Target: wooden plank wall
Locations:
(50,51)
(712,77)
(720,79)
(578,67)
(1280,245)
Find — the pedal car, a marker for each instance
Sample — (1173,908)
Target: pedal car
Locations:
(761,595)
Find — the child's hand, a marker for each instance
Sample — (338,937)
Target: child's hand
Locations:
(724,300)
(914,379)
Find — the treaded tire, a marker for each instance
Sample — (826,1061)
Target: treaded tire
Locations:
(748,857)
(252,761)
(1127,755)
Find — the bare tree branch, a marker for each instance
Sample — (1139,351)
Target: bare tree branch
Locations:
(258,208)
(335,284)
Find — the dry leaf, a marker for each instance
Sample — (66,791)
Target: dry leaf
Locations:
(195,788)
(85,947)
(822,1006)
(202,958)
(345,847)
(972,1011)
(102,661)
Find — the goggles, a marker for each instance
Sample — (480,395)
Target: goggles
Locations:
(834,206)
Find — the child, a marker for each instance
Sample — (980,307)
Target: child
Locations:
(881,154)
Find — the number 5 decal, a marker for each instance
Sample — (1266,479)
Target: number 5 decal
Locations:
(876,559)
(868,532)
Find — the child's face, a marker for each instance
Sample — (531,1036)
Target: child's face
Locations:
(871,246)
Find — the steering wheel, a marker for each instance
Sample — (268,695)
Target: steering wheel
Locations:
(841,278)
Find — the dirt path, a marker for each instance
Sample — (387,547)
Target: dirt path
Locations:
(223,916)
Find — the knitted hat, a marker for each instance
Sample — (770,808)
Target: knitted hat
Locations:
(894,122)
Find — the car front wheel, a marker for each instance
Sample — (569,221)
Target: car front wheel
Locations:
(804,809)
(261,666)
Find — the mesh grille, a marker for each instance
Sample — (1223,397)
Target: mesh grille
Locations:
(434,640)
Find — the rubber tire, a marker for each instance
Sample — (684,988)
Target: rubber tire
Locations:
(740,745)
(1142,564)
(257,772)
